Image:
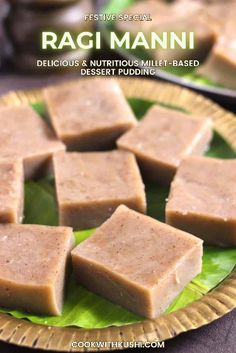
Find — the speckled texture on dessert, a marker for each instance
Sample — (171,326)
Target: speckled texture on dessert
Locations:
(90,185)
(202,199)
(89,114)
(163,138)
(11,191)
(33,265)
(137,261)
(25,136)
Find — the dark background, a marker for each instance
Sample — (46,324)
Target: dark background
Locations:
(218,337)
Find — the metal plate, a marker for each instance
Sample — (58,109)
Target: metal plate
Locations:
(209,308)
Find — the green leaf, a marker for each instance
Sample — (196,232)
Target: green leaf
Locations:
(40,108)
(156,199)
(115,6)
(188,295)
(141,106)
(85,309)
(81,236)
(217,264)
(40,205)
(48,184)
(219,148)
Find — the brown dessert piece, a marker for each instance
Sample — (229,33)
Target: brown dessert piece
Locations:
(137,262)
(202,200)
(90,185)
(180,16)
(33,265)
(220,66)
(163,138)
(11,192)
(89,114)
(25,136)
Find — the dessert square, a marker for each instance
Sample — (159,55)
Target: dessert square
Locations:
(25,136)
(137,262)
(220,66)
(178,16)
(33,266)
(90,185)
(202,200)
(90,114)
(163,138)
(11,192)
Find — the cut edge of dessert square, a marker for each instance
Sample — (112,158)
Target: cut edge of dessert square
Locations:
(83,212)
(210,222)
(105,279)
(20,285)
(35,144)
(156,168)
(11,210)
(100,136)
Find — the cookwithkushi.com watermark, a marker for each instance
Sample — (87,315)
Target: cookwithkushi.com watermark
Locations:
(115,344)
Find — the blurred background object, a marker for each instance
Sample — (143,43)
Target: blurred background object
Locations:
(3,13)
(213,24)
(24,20)
(27,19)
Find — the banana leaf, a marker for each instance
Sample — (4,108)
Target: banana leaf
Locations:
(83,308)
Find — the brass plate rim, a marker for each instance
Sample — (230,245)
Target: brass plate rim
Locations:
(210,307)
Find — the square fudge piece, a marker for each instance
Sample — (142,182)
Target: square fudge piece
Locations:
(25,136)
(33,266)
(202,200)
(11,191)
(137,262)
(179,16)
(220,65)
(90,185)
(89,115)
(163,138)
